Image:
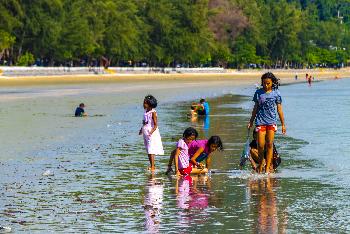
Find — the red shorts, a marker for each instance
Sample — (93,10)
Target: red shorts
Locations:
(264,128)
(186,171)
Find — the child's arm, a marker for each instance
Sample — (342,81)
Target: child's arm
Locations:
(177,153)
(177,186)
(252,118)
(208,161)
(140,132)
(281,115)
(195,156)
(154,117)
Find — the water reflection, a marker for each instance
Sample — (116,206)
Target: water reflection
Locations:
(192,198)
(193,192)
(206,125)
(202,122)
(99,182)
(264,202)
(153,204)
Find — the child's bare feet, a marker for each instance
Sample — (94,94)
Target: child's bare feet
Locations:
(151,168)
(254,166)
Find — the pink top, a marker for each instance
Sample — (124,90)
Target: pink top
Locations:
(147,118)
(184,157)
(196,144)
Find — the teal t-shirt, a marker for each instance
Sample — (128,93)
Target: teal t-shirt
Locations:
(206,108)
(267,103)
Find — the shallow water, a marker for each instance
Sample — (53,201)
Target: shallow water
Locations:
(66,174)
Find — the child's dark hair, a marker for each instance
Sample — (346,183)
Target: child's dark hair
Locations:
(217,141)
(202,100)
(274,79)
(151,101)
(190,132)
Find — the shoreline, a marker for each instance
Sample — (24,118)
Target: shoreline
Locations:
(239,77)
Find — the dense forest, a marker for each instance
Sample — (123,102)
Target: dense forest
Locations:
(191,33)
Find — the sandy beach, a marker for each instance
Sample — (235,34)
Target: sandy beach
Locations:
(238,77)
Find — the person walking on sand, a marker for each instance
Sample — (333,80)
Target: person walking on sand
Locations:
(150,130)
(264,113)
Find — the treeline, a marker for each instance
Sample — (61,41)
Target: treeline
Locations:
(229,33)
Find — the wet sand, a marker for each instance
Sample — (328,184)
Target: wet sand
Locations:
(91,176)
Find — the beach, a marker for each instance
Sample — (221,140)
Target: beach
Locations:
(67,174)
(80,126)
(240,77)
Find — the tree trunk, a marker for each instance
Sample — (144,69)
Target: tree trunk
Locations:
(1,54)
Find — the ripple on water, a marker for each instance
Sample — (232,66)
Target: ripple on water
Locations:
(102,184)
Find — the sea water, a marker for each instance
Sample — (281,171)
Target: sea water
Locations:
(66,174)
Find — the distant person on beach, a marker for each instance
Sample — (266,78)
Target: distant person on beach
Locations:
(296,77)
(254,156)
(150,131)
(306,76)
(199,151)
(309,80)
(206,108)
(264,113)
(80,112)
(202,108)
(193,112)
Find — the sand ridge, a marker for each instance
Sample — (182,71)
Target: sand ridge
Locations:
(239,77)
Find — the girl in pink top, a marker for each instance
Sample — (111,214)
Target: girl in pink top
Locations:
(201,150)
(195,151)
(182,158)
(150,131)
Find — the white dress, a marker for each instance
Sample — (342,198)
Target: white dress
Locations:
(153,143)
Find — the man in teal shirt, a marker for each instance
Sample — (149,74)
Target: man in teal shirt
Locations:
(206,108)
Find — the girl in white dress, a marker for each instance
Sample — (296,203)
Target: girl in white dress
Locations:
(150,131)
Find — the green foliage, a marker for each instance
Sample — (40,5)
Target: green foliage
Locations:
(232,33)
(222,55)
(6,40)
(10,11)
(26,59)
(124,35)
(41,28)
(245,53)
